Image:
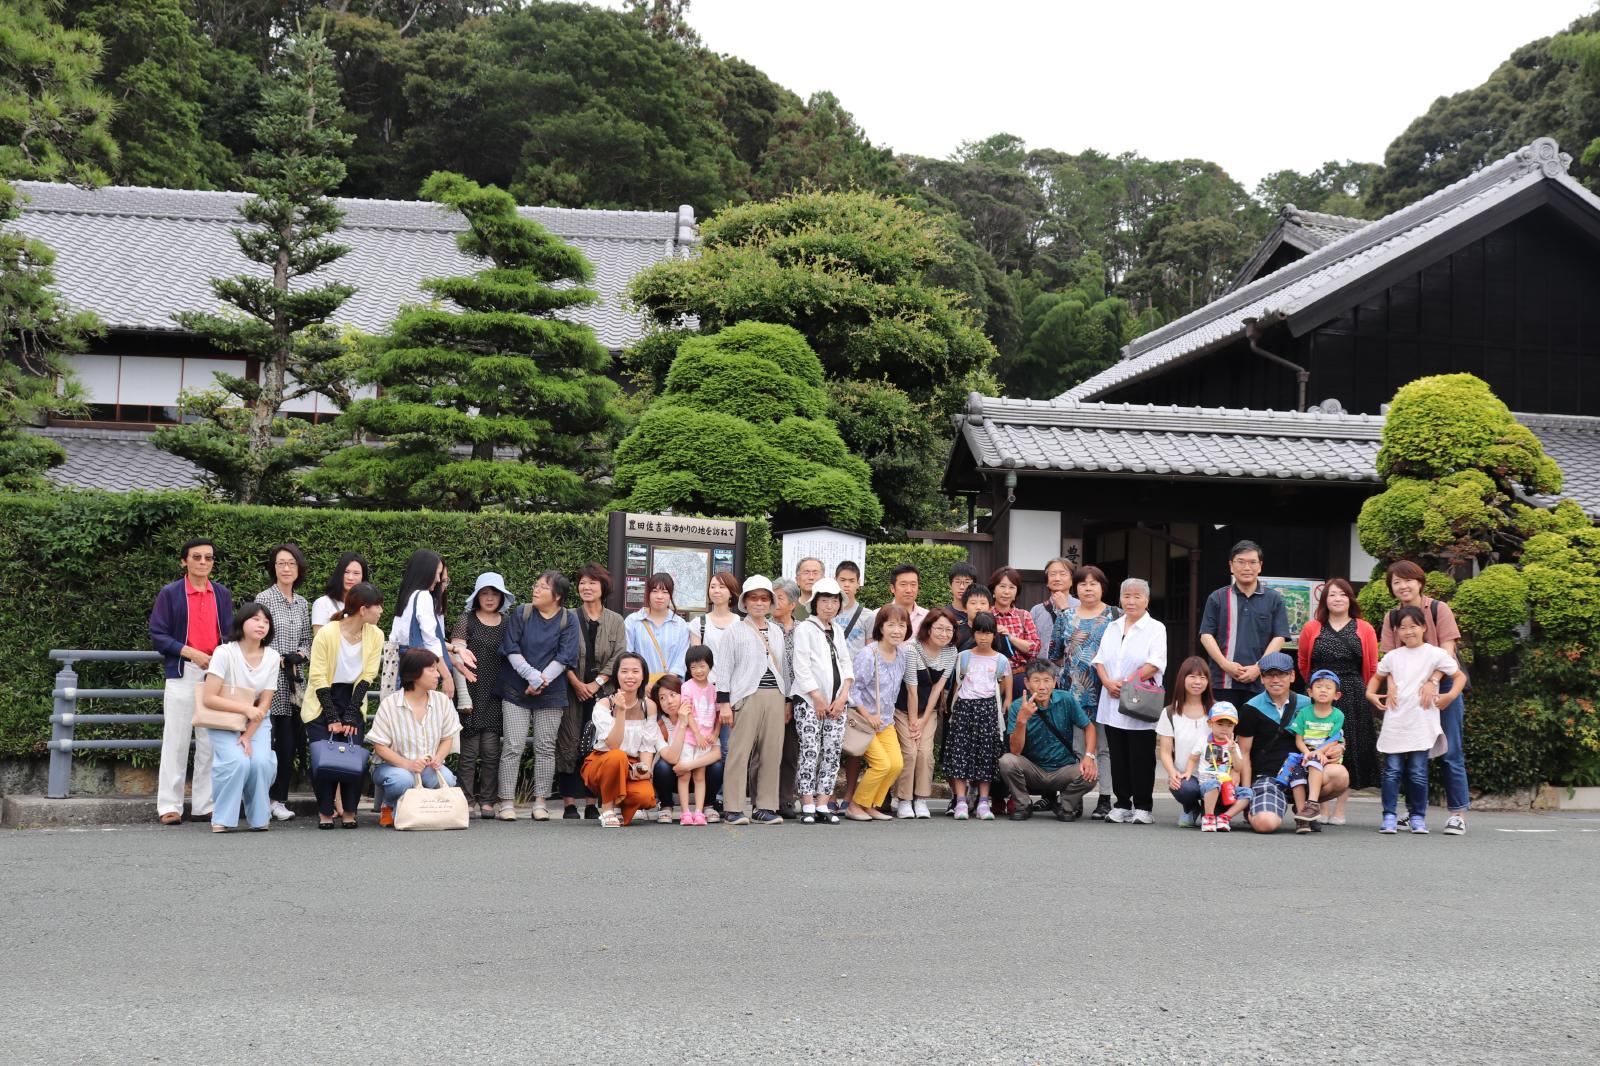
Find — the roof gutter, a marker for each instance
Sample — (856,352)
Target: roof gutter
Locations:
(1253,334)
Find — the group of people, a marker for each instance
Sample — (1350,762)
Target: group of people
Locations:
(751,712)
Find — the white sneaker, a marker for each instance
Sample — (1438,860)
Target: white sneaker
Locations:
(1119,814)
(903,809)
(1456,826)
(280,812)
(920,809)
(1141,817)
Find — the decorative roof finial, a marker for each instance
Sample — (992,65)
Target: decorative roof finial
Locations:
(1548,155)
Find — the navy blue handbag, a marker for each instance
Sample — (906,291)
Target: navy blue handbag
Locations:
(339,756)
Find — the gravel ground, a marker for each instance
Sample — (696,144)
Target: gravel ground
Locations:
(1010,943)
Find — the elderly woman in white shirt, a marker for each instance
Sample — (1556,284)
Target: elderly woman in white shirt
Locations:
(412,731)
(822,677)
(1133,649)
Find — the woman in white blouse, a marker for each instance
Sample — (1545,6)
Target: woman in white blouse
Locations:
(242,678)
(621,765)
(411,732)
(822,676)
(1133,648)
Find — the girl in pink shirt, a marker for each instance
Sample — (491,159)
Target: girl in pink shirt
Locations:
(694,743)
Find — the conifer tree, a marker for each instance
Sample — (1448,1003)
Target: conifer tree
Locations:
(248,451)
(487,400)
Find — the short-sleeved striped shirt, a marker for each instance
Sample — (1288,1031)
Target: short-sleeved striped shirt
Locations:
(396,727)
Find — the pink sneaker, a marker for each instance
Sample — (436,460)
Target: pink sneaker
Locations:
(691,818)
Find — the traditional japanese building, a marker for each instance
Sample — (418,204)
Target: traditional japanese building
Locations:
(1258,416)
(136,256)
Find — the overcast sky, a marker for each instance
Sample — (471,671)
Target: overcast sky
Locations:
(1256,86)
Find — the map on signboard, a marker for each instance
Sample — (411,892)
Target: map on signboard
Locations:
(1300,598)
(690,569)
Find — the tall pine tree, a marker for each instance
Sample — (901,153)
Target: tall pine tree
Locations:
(249,452)
(54,126)
(493,402)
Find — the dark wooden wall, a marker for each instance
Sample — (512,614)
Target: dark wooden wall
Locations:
(1517,308)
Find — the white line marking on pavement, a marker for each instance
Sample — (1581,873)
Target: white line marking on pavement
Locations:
(1536,830)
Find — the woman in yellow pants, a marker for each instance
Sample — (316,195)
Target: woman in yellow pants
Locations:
(880,669)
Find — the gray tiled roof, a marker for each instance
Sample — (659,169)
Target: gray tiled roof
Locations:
(1199,443)
(1304,230)
(1343,262)
(119,460)
(134,256)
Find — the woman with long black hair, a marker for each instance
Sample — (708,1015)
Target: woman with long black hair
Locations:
(419,618)
(350,571)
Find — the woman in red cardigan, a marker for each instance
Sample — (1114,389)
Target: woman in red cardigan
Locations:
(1339,640)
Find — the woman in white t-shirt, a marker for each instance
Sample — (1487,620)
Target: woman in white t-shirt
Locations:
(1181,729)
(621,766)
(348,572)
(243,764)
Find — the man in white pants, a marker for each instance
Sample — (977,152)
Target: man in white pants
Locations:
(190,618)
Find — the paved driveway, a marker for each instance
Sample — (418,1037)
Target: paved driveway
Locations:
(927,942)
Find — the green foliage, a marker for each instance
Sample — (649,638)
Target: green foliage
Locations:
(933,561)
(741,428)
(1334,188)
(1451,519)
(155,62)
(848,270)
(1511,737)
(103,556)
(819,146)
(36,331)
(1490,607)
(1439,425)
(1069,335)
(1546,88)
(522,393)
(55,122)
(248,452)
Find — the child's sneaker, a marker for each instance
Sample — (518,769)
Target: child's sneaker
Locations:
(1305,817)
(960,809)
(1417,824)
(985,813)
(1388,826)
(1224,823)
(1208,823)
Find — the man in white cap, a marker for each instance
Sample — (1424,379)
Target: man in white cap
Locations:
(750,696)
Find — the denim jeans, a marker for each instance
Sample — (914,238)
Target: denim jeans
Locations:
(390,781)
(665,779)
(1455,760)
(1412,766)
(240,780)
(1188,796)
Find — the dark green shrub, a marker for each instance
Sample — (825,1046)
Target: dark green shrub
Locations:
(87,567)
(932,560)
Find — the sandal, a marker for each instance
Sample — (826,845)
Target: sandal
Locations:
(808,818)
(610,820)
(827,818)
(221,828)
(665,817)
(351,824)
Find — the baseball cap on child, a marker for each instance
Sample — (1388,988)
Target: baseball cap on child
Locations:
(1323,675)
(1223,710)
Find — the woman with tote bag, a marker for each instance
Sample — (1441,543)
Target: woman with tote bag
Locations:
(238,689)
(412,731)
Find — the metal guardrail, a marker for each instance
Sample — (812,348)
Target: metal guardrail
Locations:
(65,719)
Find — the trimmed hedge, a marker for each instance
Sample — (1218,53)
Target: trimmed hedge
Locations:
(80,570)
(933,560)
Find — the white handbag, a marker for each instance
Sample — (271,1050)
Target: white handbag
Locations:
(420,807)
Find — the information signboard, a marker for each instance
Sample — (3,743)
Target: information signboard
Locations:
(689,549)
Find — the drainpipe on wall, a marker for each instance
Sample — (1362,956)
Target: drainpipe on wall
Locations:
(1253,333)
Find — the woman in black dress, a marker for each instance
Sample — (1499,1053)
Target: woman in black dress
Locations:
(1339,640)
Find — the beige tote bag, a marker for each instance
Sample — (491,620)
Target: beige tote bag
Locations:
(421,807)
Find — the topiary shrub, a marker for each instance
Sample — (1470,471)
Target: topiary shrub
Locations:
(1491,607)
(741,429)
(1439,425)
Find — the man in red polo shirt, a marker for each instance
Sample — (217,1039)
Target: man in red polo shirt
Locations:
(190,618)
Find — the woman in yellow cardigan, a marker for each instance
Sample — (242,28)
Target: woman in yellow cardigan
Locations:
(345,657)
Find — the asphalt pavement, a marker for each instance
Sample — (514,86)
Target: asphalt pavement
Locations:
(885,943)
